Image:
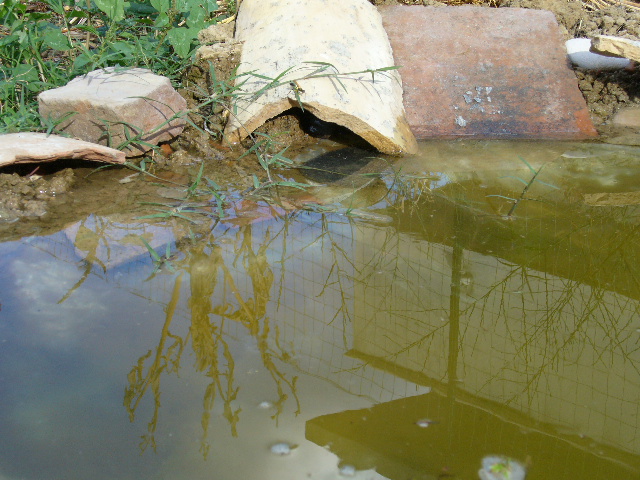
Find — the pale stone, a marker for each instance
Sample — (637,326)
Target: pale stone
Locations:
(281,40)
(40,147)
(112,106)
(628,117)
(218,50)
(616,46)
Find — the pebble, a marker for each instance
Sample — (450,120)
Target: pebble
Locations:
(425,422)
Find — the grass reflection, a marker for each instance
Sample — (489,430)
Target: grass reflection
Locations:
(166,360)
(214,300)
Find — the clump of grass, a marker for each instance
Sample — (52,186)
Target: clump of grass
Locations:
(46,49)
(159,261)
(192,204)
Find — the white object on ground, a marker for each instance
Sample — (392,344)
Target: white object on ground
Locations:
(580,55)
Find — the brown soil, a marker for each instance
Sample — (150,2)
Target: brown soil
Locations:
(28,195)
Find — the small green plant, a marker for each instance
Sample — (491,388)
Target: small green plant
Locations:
(266,149)
(310,70)
(527,185)
(191,203)
(159,261)
(46,49)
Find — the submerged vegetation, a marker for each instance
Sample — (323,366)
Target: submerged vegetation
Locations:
(527,185)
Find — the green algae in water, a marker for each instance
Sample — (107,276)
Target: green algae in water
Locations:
(516,338)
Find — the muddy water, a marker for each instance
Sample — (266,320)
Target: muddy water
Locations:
(454,308)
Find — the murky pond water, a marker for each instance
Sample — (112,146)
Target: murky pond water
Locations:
(467,303)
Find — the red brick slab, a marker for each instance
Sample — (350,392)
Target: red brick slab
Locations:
(485,72)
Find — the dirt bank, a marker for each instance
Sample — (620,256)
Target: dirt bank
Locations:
(605,93)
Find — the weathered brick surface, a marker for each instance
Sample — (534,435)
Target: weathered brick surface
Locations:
(111,106)
(485,72)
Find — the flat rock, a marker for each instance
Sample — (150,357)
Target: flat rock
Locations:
(616,46)
(485,72)
(40,147)
(321,56)
(131,109)
(627,117)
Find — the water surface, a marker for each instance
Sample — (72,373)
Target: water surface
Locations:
(452,309)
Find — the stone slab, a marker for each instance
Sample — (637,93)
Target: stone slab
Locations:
(322,56)
(627,117)
(485,72)
(111,106)
(616,46)
(40,147)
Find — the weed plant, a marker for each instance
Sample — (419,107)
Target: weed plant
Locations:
(191,202)
(43,48)
(527,185)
